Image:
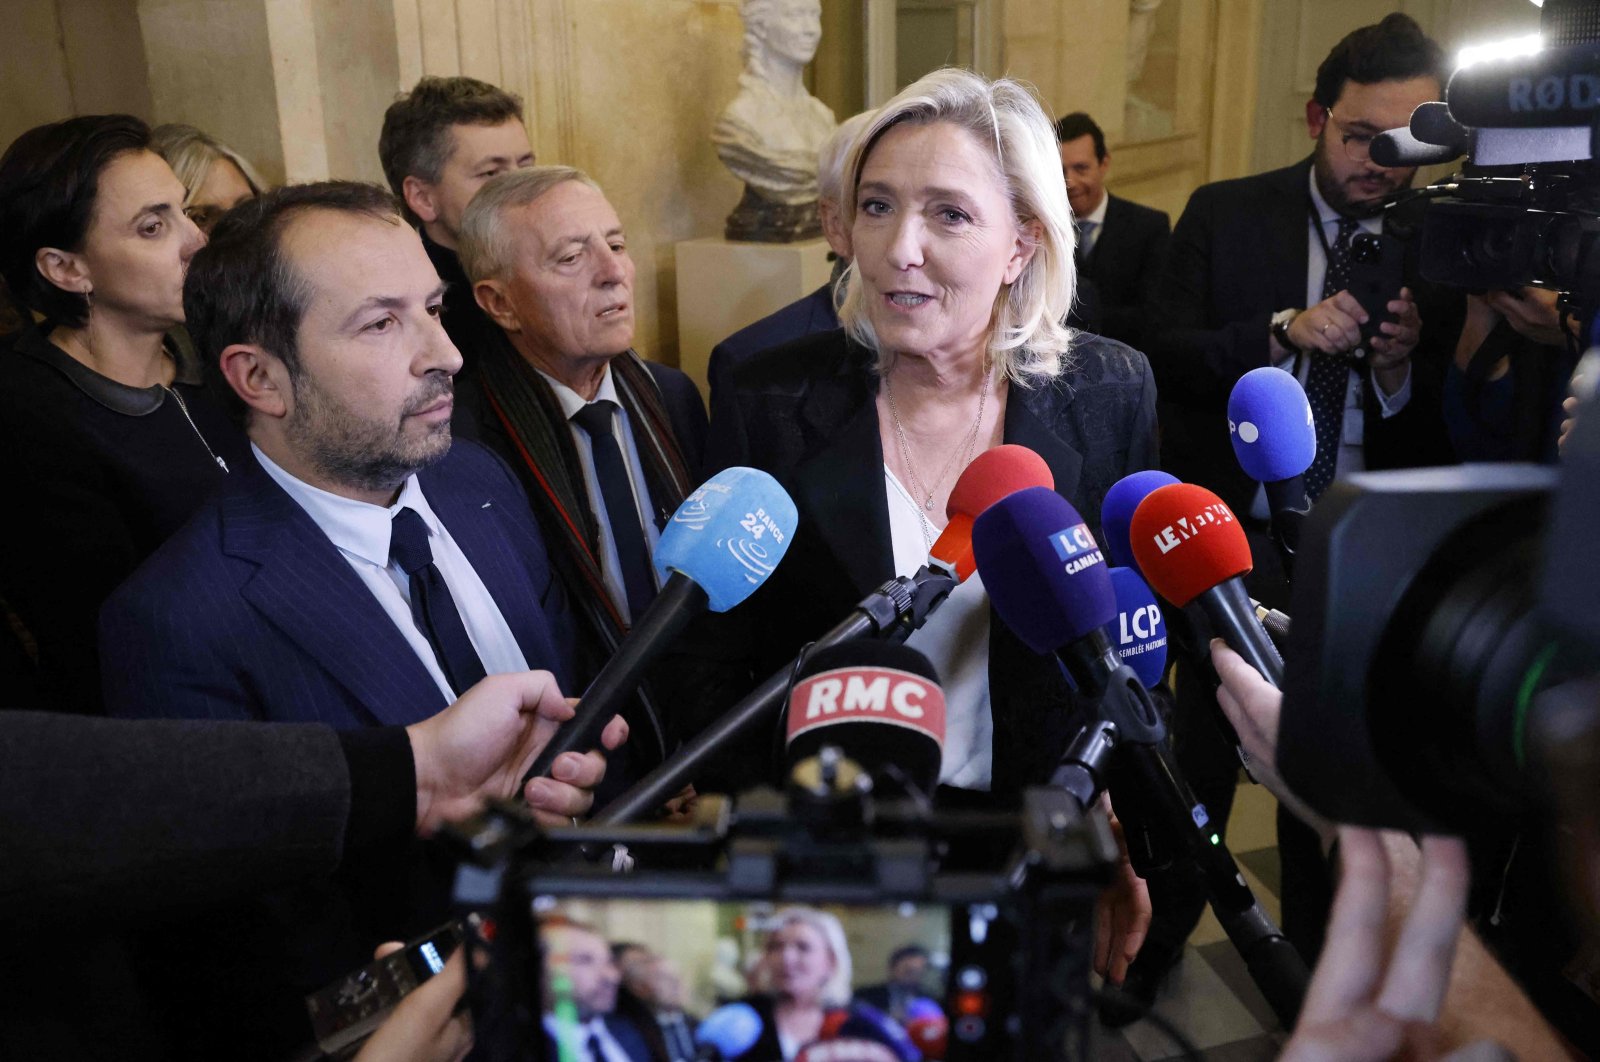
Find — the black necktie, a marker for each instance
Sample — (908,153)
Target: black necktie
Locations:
(595,1052)
(432,608)
(616,490)
(1328,379)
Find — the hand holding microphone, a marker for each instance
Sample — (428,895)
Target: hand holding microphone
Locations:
(722,543)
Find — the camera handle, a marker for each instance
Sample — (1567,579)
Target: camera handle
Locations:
(1121,733)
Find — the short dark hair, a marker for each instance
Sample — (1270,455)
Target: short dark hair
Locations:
(49,179)
(910,951)
(416,140)
(1395,49)
(242,289)
(1078,123)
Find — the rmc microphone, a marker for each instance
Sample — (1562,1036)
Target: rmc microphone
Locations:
(1116,511)
(879,704)
(1191,548)
(722,543)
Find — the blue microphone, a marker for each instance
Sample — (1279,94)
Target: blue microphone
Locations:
(728,1032)
(1116,512)
(1269,423)
(1139,632)
(723,542)
(1049,582)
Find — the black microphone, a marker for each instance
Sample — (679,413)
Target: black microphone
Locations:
(1401,148)
(891,612)
(1554,88)
(1431,123)
(722,543)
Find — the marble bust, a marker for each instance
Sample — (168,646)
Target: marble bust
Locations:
(770,134)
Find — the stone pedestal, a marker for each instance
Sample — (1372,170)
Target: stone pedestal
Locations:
(724,285)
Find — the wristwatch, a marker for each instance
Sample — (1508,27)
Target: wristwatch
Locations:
(1280,329)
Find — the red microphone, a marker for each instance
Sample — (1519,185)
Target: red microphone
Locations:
(1190,547)
(992,475)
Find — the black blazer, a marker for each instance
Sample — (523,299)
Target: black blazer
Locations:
(805,413)
(801,318)
(1125,265)
(1237,256)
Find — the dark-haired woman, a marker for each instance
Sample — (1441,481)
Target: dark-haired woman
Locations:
(107,441)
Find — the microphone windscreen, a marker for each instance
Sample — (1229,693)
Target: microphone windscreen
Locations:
(994,474)
(1139,632)
(1044,572)
(1187,541)
(928,1027)
(1431,123)
(868,1025)
(1400,147)
(728,535)
(1269,423)
(878,703)
(1117,511)
(731,1030)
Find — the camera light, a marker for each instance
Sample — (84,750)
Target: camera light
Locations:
(1506,48)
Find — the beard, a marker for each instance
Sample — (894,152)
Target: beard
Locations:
(362,452)
(1343,194)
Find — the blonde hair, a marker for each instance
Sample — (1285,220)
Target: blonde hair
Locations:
(486,248)
(190,152)
(1028,336)
(835,153)
(836,990)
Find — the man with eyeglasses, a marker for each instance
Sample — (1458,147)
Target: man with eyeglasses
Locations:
(1257,274)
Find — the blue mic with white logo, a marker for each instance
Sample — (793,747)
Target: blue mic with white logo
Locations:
(1139,633)
(728,1032)
(724,541)
(1269,423)
(1116,512)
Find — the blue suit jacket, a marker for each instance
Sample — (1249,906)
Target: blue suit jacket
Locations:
(250,612)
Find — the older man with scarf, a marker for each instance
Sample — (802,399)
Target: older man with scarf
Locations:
(606,443)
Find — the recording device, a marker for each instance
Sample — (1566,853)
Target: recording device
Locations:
(348,1011)
(727,1032)
(722,543)
(1433,137)
(1377,273)
(1191,548)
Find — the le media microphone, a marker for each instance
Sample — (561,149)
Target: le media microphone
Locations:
(1116,512)
(722,543)
(1139,633)
(879,704)
(728,1032)
(1191,548)
(991,476)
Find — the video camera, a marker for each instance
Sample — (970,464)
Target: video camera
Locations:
(1527,212)
(1441,670)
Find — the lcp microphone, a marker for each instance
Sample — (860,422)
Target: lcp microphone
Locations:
(878,703)
(722,543)
(1139,632)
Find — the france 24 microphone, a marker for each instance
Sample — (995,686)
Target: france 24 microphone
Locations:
(989,477)
(1139,632)
(1192,548)
(878,703)
(1117,511)
(722,543)
(727,1032)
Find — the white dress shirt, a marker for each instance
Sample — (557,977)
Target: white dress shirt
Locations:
(610,567)
(361,532)
(610,1050)
(956,640)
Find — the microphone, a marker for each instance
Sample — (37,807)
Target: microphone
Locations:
(1273,436)
(990,476)
(861,1033)
(1431,123)
(1139,633)
(1555,88)
(879,704)
(727,1032)
(722,543)
(1402,148)
(927,1026)
(1191,548)
(1117,511)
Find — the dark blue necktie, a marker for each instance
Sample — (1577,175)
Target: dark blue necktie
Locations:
(433,610)
(622,514)
(1328,379)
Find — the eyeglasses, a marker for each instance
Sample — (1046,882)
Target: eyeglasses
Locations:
(1357,146)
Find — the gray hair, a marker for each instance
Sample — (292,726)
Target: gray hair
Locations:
(835,151)
(190,152)
(1028,337)
(486,248)
(836,990)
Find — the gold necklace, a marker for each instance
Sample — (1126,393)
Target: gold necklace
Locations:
(917,486)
